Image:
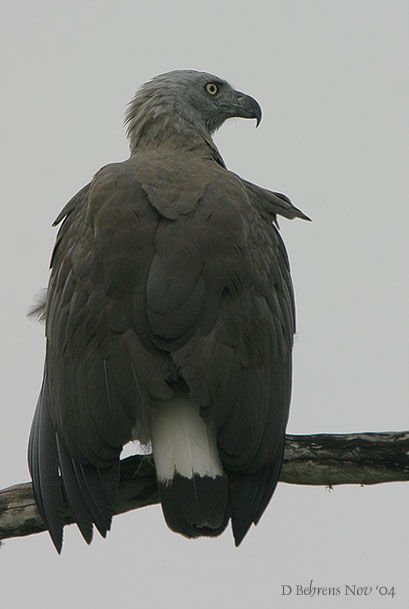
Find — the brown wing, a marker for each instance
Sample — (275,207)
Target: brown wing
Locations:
(101,369)
(97,338)
(220,299)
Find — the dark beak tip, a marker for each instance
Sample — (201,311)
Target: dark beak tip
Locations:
(247,107)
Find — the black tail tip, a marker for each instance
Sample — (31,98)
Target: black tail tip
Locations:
(197,506)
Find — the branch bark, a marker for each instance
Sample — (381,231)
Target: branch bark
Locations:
(321,459)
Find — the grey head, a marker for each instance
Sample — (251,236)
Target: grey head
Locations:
(185,98)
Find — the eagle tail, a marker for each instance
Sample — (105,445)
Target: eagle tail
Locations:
(192,485)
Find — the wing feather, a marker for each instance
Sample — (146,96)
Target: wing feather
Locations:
(43,464)
(102,369)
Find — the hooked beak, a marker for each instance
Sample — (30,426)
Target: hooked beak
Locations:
(246,107)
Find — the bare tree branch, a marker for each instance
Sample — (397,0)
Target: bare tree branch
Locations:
(321,459)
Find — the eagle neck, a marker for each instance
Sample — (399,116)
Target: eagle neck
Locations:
(172,134)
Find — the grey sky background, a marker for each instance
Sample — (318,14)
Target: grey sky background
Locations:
(332,79)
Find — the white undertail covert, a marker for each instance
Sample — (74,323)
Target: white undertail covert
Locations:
(182,443)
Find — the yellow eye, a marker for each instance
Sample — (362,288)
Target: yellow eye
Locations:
(212,88)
